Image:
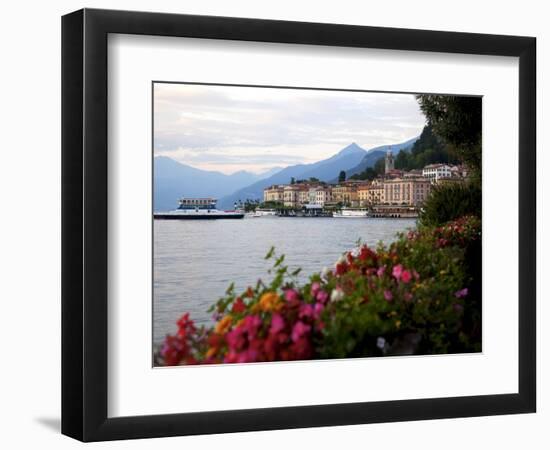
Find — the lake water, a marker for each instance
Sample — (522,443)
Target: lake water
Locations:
(196,260)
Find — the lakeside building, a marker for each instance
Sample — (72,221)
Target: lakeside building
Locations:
(415,173)
(406,191)
(394,173)
(436,171)
(321,195)
(347,192)
(290,195)
(274,193)
(394,188)
(372,193)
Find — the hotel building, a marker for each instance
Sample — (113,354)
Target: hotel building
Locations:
(347,192)
(274,193)
(436,171)
(406,191)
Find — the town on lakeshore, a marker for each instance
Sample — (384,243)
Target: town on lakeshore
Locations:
(396,193)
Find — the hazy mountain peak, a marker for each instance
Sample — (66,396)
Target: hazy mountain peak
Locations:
(351,148)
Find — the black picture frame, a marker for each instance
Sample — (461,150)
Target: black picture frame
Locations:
(84,224)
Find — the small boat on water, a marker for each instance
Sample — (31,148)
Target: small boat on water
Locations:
(198,209)
(351,213)
(262,212)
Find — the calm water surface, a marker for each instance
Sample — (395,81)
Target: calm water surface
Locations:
(196,260)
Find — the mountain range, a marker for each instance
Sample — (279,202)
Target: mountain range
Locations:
(374,154)
(324,170)
(172,179)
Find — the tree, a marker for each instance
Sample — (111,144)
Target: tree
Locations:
(380,166)
(449,202)
(368,174)
(342,176)
(292,180)
(456,120)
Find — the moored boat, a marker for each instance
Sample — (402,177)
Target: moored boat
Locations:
(263,212)
(351,213)
(198,209)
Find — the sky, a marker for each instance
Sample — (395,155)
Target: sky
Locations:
(228,128)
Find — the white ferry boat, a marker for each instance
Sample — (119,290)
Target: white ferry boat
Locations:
(351,213)
(198,208)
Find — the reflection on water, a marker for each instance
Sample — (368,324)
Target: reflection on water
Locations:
(196,260)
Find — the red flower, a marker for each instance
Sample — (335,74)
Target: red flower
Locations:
(406,276)
(341,268)
(238,306)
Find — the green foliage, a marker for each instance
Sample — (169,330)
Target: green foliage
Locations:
(251,205)
(456,120)
(368,174)
(380,166)
(428,149)
(271,205)
(451,201)
(342,176)
(432,310)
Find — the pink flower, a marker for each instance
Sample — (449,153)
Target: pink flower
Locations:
(291,295)
(235,338)
(322,296)
(306,310)
(380,272)
(461,293)
(251,325)
(406,276)
(408,296)
(318,309)
(388,296)
(397,271)
(315,288)
(299,329)
(249,355)
(277,323)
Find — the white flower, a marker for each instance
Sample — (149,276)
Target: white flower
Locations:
(341,260)
(325,273)
(336,295)
(381,343)
(355,252)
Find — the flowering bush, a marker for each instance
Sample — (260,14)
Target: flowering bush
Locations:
(414,296)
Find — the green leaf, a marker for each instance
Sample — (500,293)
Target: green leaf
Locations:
(270,253)
(230,290)
(279,261)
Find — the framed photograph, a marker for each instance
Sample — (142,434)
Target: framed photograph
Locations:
(272,224)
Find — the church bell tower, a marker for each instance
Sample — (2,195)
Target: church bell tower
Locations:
(389,160)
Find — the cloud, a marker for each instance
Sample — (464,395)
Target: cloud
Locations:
(226,128)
